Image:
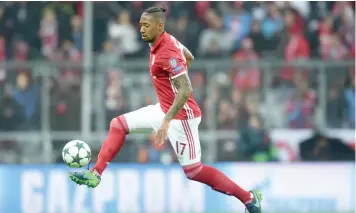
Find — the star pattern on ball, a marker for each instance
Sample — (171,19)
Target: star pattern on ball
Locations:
(76,159)
(80,145)
(66,151)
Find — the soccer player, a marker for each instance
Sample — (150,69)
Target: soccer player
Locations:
(176,116)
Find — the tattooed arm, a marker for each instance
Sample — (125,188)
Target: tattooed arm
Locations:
(182,83)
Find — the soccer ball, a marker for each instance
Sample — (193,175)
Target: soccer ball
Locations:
(76,154)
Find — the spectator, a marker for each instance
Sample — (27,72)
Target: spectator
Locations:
(69,53)
(341,8)
(350,100)
(109,57)
(201,8)
(77,32)
(213,50)
(259,11)
(115,101)
(326,27)
(252,104)
(293,21)
(325,30)
(335,108)
(246,78)
(226,116)
(213,33)
(239,107)
(11,112)
(292,43)
(198,83)
(273,23)
(257,37)
(124,34)
(303,7)
(346,30)
(49,33)
(296,49)
(254,142)
(26,94)
(65,105)
(333,49)
(21,52)
(301,106)
(238,22)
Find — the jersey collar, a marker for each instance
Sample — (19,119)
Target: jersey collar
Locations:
(161,38)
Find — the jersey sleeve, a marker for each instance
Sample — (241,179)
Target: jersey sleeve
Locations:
(174,64)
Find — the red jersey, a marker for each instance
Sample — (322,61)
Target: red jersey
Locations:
(167,62)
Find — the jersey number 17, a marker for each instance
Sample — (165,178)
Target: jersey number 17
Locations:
(180,144)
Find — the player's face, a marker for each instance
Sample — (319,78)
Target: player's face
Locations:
(149,28)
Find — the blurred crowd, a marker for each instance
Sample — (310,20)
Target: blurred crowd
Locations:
(291,30)
(240,31)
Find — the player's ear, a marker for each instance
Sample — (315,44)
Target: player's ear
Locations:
(160,25)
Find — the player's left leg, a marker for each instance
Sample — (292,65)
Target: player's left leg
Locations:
(184,137)
(143,120)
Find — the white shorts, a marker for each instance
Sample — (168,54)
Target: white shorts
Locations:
(183,134)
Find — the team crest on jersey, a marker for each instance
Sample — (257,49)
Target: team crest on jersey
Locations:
(173,62)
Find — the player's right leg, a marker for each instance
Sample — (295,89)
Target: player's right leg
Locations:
(184,136)
(139,121)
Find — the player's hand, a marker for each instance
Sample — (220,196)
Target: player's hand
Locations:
(162,132)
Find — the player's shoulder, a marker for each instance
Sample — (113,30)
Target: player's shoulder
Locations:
(170,46)
(169,53)
(168,38)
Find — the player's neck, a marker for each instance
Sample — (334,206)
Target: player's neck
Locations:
(157,38)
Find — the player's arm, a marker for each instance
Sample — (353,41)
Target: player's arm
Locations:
(184,87)
(188,56)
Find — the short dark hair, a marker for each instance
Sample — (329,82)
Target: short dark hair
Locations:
(157,12)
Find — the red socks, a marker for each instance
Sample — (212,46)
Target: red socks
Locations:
(217,181)
(113,143)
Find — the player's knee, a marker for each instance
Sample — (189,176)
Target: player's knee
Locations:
(119,123)
(191,171)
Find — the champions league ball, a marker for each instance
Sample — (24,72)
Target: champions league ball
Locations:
(76,154)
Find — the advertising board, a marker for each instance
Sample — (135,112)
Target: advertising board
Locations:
(157,188)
